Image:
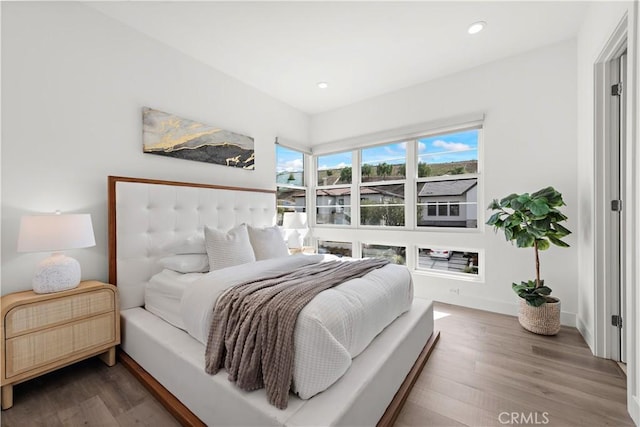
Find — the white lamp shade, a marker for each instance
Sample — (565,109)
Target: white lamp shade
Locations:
(294,221)
(50,233)
(295,226)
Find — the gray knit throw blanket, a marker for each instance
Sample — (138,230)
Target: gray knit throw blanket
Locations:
(251,333)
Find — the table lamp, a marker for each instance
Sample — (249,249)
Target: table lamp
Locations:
(295,225)
(55,233)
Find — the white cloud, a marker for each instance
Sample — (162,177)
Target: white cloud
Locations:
(338,166)
(451,146)
(421,147)
(291,166)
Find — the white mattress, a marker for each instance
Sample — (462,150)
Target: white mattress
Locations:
(164,292)
(359,398)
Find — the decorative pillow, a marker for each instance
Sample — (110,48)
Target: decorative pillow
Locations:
(228,249)
(267,242)
(186,263)
(192,245)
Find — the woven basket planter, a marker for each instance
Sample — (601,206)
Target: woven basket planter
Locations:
(543,320)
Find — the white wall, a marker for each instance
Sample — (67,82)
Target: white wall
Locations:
(73,85)
(529,143)
(599,25)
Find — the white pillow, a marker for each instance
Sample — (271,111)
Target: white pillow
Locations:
(267,242)
(186,263)
(228,249)
(192,245)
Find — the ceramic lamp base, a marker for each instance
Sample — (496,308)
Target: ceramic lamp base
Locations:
(56,273)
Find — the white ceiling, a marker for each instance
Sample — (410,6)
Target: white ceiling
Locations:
(362,49)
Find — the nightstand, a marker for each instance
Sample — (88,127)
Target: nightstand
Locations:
(44,332)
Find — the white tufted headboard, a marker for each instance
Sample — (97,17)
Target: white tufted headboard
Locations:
(146,216)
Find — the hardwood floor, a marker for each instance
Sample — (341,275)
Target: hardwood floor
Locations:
(485,371)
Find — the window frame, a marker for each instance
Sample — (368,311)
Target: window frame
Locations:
(469,277)
(317,187)
(479,126)
(306,156)
(411,182)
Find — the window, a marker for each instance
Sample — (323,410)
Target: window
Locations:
(334,169)
(447,184)
(454,209)
(291,193)
(440,169)
(383,175)
(395,254)
(447,260)
(333,188)
(335,248)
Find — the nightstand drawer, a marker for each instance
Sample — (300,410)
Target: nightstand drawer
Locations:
(28,318)
(37,349)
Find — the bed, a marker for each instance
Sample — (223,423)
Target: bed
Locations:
(146,215)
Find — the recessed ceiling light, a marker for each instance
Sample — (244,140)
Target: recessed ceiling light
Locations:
(476,27)
(323,85)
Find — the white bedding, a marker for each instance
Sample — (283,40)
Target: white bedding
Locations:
(333,328)
(164,292)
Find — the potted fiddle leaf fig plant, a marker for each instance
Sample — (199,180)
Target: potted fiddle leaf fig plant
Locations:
(533,221)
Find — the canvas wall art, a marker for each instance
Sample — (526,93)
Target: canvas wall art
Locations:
(169,135)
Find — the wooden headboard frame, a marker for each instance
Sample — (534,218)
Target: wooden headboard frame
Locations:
(235,199)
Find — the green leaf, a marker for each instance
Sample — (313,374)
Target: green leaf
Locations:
(558,242)
(524,240)
(507,200)
(494,204)
(536,301)
(542,290)
(494,218)
(560,230)
(539,207)
(508,233)
(542,223)
(543,244)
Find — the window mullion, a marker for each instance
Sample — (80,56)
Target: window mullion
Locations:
(410,185)
(355,189)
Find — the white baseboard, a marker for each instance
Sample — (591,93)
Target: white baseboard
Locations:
(566,318)
(586,334)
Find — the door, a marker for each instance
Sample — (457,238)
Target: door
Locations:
(617,191)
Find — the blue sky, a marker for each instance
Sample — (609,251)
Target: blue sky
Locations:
(452,147)
(288,160)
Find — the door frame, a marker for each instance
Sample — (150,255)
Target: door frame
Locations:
(607,265)
(625,32)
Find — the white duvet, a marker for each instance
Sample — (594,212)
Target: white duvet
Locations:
(332,329)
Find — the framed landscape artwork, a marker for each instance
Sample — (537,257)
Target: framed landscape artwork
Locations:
(168,135)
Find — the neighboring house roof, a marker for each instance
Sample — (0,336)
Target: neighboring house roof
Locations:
(455,187)
(344,191)
(394,190)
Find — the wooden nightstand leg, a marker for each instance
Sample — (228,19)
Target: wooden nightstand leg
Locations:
(7,396)
(109,356)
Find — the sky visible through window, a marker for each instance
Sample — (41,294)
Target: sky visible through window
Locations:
(288,160)
(335,161)
(453,147)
